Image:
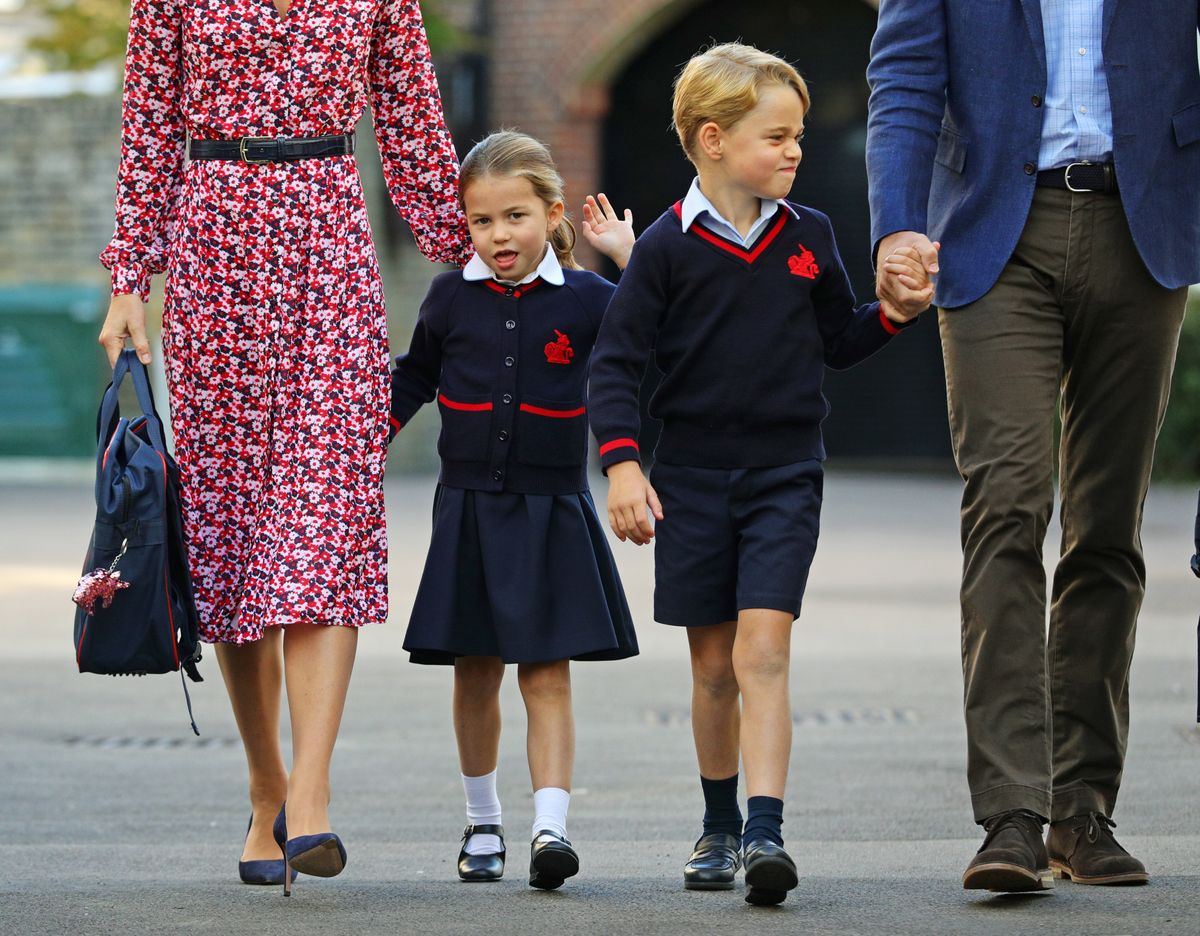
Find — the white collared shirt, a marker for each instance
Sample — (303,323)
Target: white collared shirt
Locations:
(549,269)
(696,205)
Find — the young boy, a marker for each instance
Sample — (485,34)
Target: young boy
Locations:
(744,300)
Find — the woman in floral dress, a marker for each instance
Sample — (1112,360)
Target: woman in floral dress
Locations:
(275,336)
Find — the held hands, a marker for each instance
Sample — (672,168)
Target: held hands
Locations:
(629,494)
(607,233)
(903,285)
(126,319)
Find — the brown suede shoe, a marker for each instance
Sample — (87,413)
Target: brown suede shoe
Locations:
(1083,849)
(1012,856)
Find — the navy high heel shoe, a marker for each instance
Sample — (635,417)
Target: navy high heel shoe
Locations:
(266,871)
(321,855)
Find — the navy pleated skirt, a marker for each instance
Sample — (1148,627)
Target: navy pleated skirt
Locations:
(528,578)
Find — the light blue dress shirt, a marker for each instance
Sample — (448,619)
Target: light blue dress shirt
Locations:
(696,205)
(1077,124)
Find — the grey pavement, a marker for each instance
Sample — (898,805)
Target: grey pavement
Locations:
(114,819)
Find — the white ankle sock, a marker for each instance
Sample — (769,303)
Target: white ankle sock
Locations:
(483,808)
(550,810)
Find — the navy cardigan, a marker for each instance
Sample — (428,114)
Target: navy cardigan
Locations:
(508,366)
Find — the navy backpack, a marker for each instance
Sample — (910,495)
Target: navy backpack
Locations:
(136,613)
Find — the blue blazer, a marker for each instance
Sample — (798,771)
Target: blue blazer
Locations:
(955,119)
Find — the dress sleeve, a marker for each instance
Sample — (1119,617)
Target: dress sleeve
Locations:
(150,175)
(419,162)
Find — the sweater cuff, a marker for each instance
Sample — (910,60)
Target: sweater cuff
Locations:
(619,450)
(394,426)
(894,328)
(128,279)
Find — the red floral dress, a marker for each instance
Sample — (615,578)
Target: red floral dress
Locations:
(274,327)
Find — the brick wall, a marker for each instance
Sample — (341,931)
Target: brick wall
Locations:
(551,64)
(57,175)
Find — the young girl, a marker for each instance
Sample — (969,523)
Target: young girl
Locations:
(519,570)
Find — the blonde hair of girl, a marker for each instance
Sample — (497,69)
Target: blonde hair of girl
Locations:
(508,153)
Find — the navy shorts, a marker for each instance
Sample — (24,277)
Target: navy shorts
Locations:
(733,538)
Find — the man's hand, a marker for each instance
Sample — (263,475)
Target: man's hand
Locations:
(629,494)
(895,302)
(905,290)
(126,319)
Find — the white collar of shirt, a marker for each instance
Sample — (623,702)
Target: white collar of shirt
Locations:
(696,204)
(549,269)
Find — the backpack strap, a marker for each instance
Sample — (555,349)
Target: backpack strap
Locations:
(188,698)
(110,410)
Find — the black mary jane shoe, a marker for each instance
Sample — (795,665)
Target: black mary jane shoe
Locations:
(489,867)
(714,862)
(770,873)
(552,862)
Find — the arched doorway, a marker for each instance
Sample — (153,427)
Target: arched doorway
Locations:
(888,409)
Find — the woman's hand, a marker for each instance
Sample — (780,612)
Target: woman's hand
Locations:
(629,494)
(126,319)
(607,233)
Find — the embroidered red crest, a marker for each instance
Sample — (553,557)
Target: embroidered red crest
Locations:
(804,264)
(559,351)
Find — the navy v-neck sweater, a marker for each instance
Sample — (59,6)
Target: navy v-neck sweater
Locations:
(741,336)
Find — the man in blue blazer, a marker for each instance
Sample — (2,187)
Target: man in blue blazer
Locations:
(1053,149)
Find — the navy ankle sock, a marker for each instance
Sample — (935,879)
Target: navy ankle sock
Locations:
(721,812)
(764,819)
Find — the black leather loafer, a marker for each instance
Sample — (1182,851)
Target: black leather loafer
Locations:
(770,873)
(714,862)
(489,867)
(551,863)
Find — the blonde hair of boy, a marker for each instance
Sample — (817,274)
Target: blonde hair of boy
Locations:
(507,153)
(722,85)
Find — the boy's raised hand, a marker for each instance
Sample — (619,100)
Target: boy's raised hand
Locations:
(607,233)
(905,289)
(629,494)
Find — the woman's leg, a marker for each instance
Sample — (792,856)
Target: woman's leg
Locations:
(318,659)
(253,675)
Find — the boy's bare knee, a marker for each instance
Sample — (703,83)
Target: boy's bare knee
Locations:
(760,660)
(716,678)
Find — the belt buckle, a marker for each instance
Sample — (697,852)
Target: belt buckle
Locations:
(1067,175)
(242,150)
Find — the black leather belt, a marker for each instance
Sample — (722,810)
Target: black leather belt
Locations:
(1080,177)
(274,149)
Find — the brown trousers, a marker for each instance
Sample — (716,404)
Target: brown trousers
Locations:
(1074,320)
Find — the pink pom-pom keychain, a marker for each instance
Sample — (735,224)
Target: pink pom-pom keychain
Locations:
(100,585)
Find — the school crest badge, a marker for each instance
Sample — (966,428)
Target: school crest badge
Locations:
(804,263)
(559,351)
